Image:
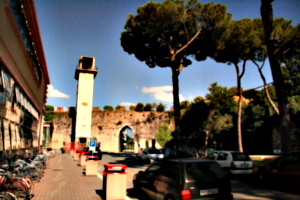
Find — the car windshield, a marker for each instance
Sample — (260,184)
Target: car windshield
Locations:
(203,171)
(154,151)
(240,157)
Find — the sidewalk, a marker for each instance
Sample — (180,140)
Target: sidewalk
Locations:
(64,179)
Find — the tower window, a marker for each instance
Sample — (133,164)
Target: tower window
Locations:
(87,63)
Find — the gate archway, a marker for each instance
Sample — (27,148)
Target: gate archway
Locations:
(126,139)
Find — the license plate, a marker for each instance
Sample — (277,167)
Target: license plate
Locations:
(208,191)
(245,165)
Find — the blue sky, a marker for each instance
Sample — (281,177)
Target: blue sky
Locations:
(74,28)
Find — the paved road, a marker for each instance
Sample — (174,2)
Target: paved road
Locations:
(242,189)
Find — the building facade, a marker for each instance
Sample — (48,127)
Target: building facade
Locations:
(23,78)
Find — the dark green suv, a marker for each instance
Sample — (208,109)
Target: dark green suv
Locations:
(185,178)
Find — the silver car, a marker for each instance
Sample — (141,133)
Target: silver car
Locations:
(151,154)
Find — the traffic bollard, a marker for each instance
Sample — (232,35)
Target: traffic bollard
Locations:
(114,176)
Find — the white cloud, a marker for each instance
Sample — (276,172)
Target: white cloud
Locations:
(191,98)
(157,89)
(51,92)
(127,104)
(163,93)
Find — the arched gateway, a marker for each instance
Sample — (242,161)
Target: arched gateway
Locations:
(126,139)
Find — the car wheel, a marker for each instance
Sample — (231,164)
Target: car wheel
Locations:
(138,192)
(148,161)
(136,187)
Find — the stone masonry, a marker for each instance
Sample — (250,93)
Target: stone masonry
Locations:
(106,127)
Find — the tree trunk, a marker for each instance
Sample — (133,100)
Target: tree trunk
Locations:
(240,105)
(266,88)
(284,115)
(176,104)
(206,142)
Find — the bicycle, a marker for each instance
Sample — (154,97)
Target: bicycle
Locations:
(50,153)
(4,195)
(16,186)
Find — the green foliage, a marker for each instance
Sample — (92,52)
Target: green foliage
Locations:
(131,107)
(221,123)
(163,135)
(129,143)
(292,76)
(240,41)
(254,117)
(49,114)
(184,104)
(193,119)
(148,107)
(119,107)
(198,99)
(49,108)
(139,107)
(221,98)
(160,107)
(294,103)
(108,108)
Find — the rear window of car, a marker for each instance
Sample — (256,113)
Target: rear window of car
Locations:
(203,171)
(184,154)
(154,151)
(240,157)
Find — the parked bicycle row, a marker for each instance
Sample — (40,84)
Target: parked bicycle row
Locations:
(18,175)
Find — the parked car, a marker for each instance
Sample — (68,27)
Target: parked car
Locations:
(162,150)
(233,162)
(284,170)
(205,151)
(85,150)
(177,153)
(97,153)
(186,178)
(151,154)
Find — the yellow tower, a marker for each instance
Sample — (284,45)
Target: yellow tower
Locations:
(85,75)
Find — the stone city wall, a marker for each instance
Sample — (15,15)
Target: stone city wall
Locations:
(106,127)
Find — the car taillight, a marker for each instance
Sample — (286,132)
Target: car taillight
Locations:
(232,165)
(185,195)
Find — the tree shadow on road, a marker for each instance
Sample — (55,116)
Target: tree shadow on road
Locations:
(130,160)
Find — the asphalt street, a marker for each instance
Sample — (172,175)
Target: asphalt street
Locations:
(242,188)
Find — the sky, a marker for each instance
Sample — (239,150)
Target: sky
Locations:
(73,28)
